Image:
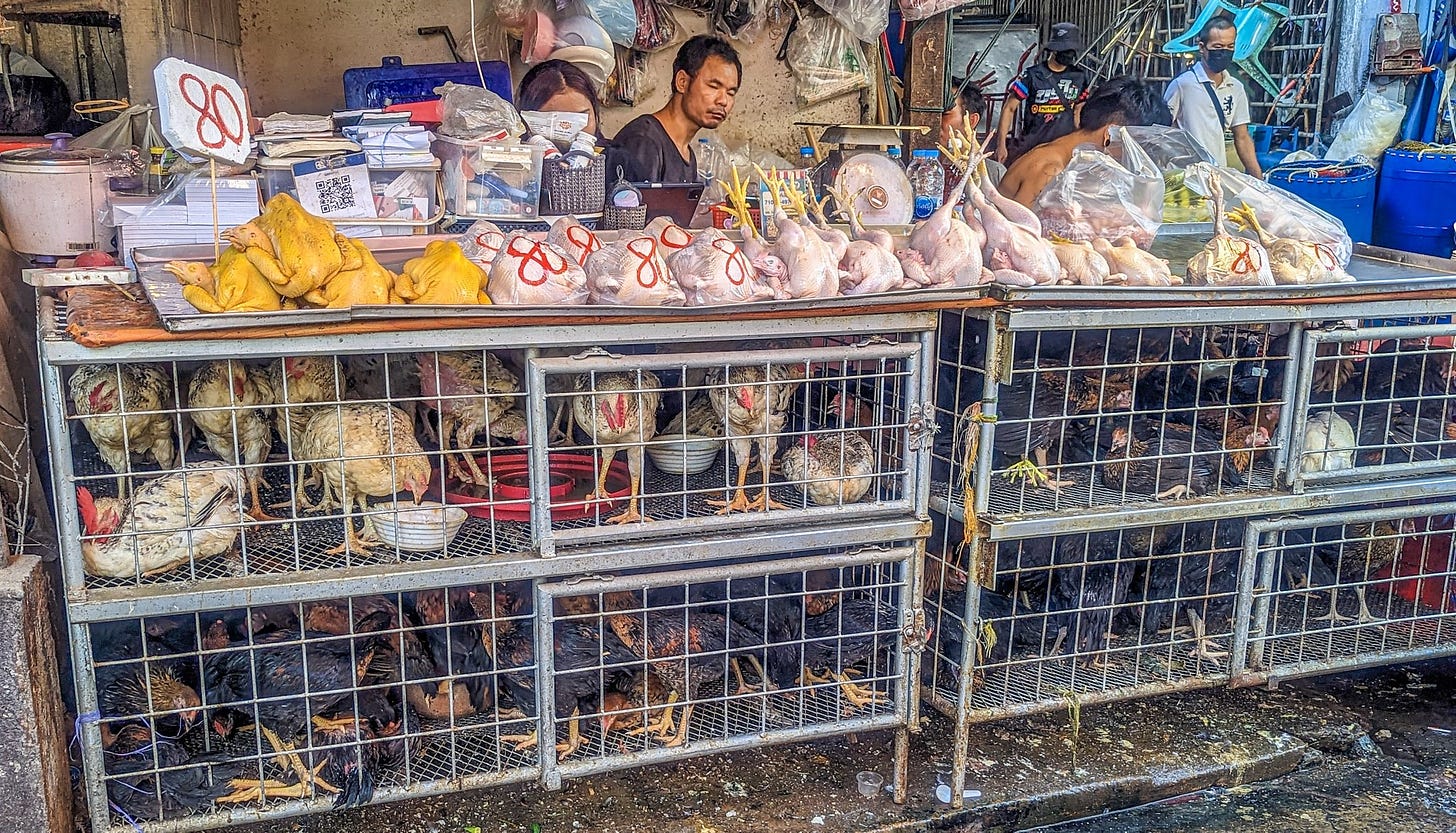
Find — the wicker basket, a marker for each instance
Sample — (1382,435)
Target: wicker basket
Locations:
(623,219)
(573,190)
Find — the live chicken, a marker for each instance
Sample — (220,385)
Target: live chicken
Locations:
(123,408)
(180,518)
(616,410)
(232,405)
(300,382)
(752,402)
(470,391)
(363,451)
(833,469)
(1329,443)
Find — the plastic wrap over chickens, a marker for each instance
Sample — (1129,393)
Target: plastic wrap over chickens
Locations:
(827,61)
(534,273)
(714,270)
(1096,196)
(1280,213)
(573,238)
(632,273)
(913,10)
(1227,260)
(482,242)
(670,236)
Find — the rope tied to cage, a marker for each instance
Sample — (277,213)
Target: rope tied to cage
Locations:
(972,418)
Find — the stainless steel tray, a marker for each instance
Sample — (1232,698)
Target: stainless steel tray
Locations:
(179,316)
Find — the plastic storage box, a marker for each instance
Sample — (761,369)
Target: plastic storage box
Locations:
(406,197)
(490,181)
(392,82)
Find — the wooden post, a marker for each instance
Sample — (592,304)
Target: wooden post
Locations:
(925,76)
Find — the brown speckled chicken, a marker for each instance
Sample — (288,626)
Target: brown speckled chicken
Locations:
(100,393)
(232,404)
(753,404)
(699,419)
(686,650)
(617,409)
(301,381)
(832,469)
(364,450)
(471,391)
(635,701)
(171,520)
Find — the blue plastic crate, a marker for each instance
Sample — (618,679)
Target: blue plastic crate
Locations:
(392,82)
(1413,321)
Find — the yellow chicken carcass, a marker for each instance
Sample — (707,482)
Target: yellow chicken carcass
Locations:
(232,284)
(442,275)
(296,251)
(369,284)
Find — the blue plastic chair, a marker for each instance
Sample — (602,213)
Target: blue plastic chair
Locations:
(1256,25)
(1187,43)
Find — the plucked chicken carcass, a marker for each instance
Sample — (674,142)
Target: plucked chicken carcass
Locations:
(232,405)
(811,269)
(298,382)
(631,272)
(1293,262)
(532,273)
(442,275)
(619,409)
(573,239)
(363,451)
(232,284)
(1227,260)
(832,469)
(1081,263)
(811,211)
(482,242)
(1009,208)
(944,250)
(771,270)
(714,270)
(868,263)
(369,284)
(296,251)
(1013,247)
(187,516)
(101,393)
(1329,443)
(1131,266)
(752,403)
(470,393)
(669,235)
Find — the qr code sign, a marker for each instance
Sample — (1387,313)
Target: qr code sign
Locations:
(335,194)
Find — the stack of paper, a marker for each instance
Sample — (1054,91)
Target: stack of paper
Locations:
(183,216)
(237,200)
(290,124)
(393,145)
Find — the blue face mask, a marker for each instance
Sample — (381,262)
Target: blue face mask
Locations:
(1219,60)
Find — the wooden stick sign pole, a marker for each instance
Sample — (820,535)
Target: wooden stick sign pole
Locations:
(204,115)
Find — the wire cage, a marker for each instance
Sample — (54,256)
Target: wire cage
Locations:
(207,718)
(1376,403)
(1098,419)
(1335,592)
(654,666)
(785,431)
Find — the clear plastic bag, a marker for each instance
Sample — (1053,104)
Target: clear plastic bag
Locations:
(865,19)
(1281,213)
(656,27)
(913,10)
(827,61)
(1172,151)
(618,17)
(1096,196)
(1370,128)
(477,113)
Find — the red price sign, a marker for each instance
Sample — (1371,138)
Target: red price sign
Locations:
(203,113)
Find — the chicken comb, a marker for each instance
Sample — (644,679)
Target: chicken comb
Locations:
(86,505)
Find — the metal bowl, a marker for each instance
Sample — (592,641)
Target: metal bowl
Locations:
(426,527)
(690,455)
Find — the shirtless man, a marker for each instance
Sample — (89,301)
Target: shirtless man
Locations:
(1119,101)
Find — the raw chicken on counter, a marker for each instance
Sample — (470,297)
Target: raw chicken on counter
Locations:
(669,235)
(1016,254)
(714,270)
(1293,262)
(296,251)
(368,284)
(534,273)
(232,284)
(631,272)
(442,275)
(1227,260)
(811,269)
(1131,266)
(482,242)
(573,239)
(1081,263)
(945,250)
(868,264)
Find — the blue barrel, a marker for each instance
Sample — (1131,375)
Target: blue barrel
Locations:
(1348,193)
(1417,202)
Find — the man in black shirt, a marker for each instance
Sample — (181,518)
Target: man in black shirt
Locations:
(1046,95)
(658,147)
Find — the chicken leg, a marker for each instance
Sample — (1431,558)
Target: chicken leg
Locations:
(635,464)
(742,450)
(682,728)
(663,726)
(1365,617)
(258,512)
(1333,617)
(369,539)
(1203,647)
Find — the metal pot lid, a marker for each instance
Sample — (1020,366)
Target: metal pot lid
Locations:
(59,154)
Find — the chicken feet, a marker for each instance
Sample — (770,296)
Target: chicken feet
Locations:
(1203,647)
(1036,474)
(662,728)
(740,501)
(306,785)
(1334,617)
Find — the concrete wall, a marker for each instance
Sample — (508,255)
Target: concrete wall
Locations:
(295,52)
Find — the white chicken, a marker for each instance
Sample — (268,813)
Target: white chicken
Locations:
(1293,262)
(180,518)
(1081,263)
(714,270)
(753,403)
(535,273)
(616,410)
(944,250)
(1131,266)
(868,264)
(482,242)
(810,268)
(631,272)
(833,469)
(573,239)
(471,394)
(301,383)
(124,409)
(1013,247)
(232,405)
(1227,260)
(1329,444)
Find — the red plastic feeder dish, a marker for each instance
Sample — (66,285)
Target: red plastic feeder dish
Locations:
(508,496)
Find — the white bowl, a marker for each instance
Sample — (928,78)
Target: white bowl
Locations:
(692,455)
(426,527)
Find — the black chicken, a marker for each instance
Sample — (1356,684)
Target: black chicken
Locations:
(1194,569)
(1091,579)
(1166,466)
(357,744)
(159,691)
(150,777)
(859,630)
(455,682)
(1003,624)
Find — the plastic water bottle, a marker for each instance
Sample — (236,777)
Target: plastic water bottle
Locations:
(806,157)
(705,161)
(927,179)
(894,153)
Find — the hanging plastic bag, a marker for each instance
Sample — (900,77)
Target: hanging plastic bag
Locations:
(1280,213)
(865,19)
(656,27)
(913,10)
(1370,128)
(618,17)
(477,113)
(826,60)
(1097,196)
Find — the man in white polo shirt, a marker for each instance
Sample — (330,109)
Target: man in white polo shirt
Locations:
(1208,102)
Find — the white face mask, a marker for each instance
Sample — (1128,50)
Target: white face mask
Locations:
(559,127)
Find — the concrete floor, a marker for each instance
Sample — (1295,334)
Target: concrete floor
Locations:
(1363,752)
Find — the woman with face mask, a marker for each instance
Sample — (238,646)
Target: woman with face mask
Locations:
(564,91)
(1043,101)
(1210,103)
